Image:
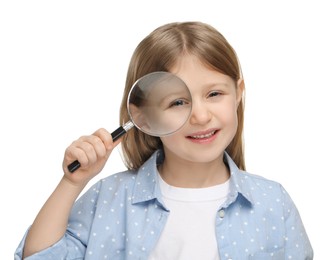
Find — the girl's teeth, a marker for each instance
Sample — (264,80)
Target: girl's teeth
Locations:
(203,136)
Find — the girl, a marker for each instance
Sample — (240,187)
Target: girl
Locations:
(184,196)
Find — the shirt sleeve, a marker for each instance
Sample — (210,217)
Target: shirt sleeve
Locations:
(57,251)
(73,244)
(297,244)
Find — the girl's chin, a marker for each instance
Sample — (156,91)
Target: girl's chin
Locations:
(200,156)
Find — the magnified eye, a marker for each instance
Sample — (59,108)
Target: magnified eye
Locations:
(178,102)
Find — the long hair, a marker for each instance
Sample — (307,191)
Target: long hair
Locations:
(159,51)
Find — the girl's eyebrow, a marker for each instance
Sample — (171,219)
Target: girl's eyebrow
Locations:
(217,84)
(173,95)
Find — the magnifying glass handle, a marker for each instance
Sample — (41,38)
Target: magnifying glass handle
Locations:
(115,136)
(121,130)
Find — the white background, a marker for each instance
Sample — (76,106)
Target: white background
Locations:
(62,72)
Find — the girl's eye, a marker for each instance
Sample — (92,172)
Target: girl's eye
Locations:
(214,94)
(178,102)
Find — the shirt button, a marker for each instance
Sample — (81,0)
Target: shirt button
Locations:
(221,213)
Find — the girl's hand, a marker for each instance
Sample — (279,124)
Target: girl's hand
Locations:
(92,152)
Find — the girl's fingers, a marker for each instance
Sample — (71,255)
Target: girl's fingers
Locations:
(92,152)
(89,156)
(88,149)
(105,137)
(75,152)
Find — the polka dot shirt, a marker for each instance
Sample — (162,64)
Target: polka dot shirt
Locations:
(123,215)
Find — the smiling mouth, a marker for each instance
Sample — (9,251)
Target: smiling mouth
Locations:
(203,136)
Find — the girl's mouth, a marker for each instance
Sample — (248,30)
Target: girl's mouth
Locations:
(203,136)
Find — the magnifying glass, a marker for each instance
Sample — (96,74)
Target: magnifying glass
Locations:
(158,104)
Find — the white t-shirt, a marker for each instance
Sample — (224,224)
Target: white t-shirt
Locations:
(190,229)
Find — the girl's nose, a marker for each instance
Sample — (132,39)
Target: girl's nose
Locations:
(200,113)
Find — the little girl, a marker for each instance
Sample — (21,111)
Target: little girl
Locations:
(185,195)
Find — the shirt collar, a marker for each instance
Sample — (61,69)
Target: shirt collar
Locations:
(239,183)
(147,187)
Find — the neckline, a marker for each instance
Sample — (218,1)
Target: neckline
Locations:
(211,193)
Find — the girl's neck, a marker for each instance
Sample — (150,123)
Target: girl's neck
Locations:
(194,175)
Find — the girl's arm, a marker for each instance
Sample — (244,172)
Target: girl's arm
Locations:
(51,222)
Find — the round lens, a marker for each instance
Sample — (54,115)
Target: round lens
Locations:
(159,103)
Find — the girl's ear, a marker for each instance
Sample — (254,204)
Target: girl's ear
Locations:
(239,91)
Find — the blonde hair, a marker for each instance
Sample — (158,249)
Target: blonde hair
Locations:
(158,52)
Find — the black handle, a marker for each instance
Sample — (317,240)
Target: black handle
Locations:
(115,135)
(118,133)
(74,166)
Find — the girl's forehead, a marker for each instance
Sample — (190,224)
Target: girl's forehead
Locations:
(186,61)
(197,75)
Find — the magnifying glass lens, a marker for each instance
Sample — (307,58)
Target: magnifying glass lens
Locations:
(158,104)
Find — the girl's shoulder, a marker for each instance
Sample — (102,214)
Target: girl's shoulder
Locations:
(258,179)
(261,187)
(124,178)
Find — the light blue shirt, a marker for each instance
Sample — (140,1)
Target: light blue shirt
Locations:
(123,215)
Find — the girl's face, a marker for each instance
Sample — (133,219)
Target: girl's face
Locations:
(213,121)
